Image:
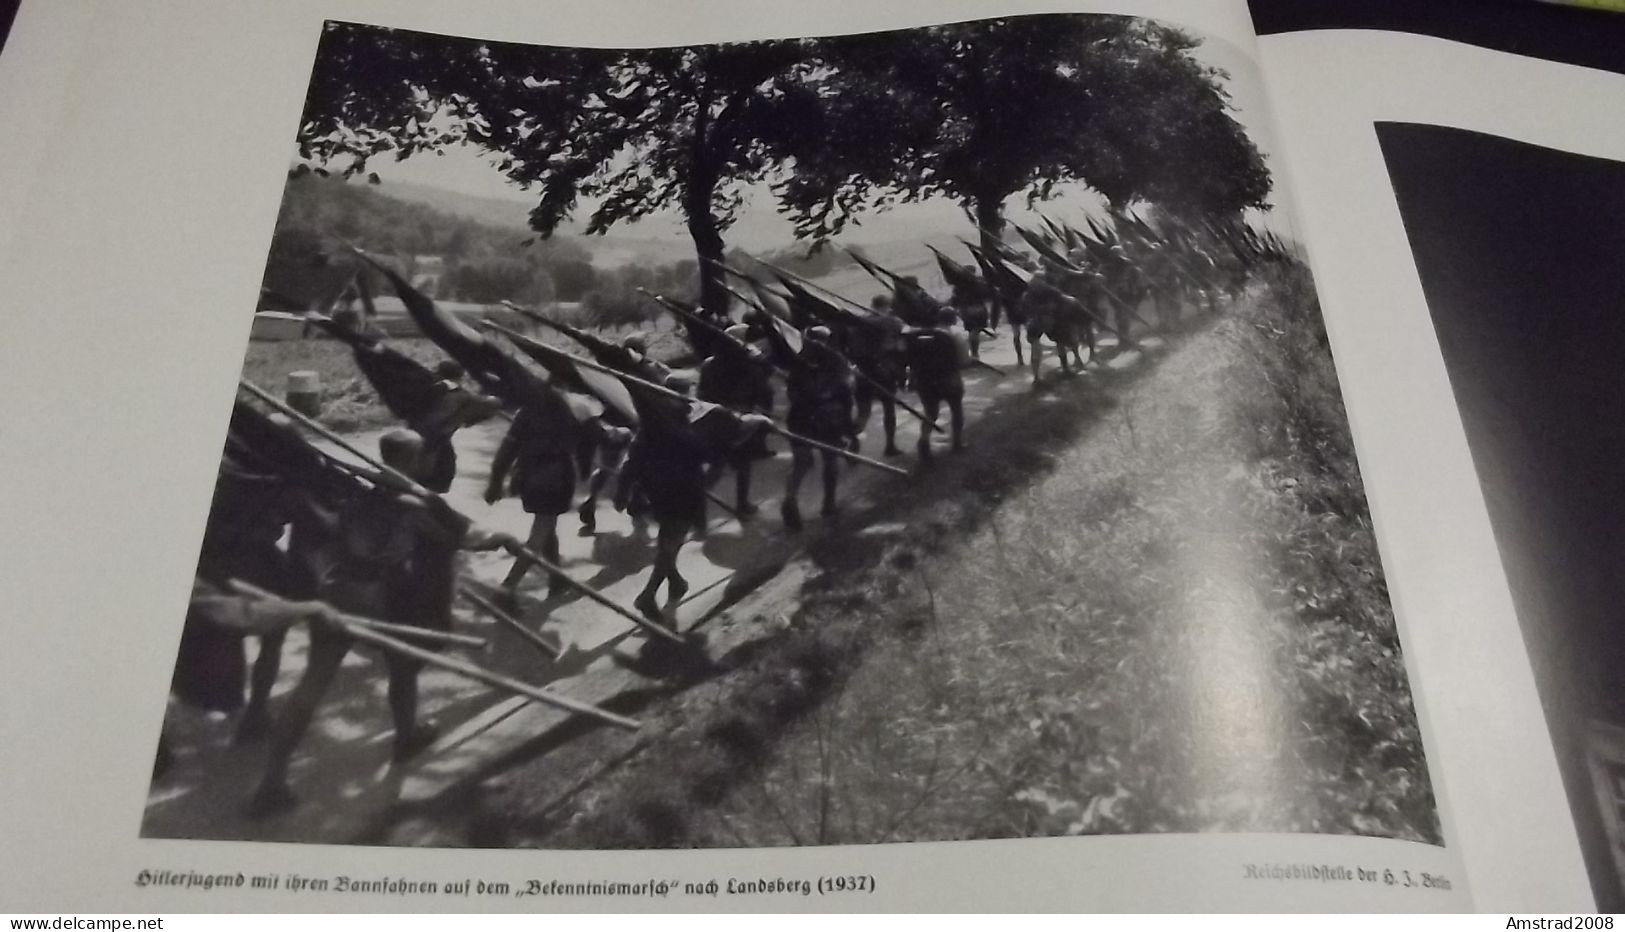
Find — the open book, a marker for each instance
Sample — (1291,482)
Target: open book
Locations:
(1146,455)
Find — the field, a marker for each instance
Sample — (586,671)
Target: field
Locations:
(348,402)
(1150,603)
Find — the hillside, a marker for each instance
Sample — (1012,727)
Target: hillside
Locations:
(616,248)
(497,212)
(470,249)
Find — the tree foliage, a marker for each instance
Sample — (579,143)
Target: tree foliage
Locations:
(636,130)
(983,110)
(974,111)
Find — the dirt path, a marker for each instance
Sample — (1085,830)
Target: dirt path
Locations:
(342,771)
(1136,616)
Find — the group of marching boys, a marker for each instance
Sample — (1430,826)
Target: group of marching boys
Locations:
(297,534)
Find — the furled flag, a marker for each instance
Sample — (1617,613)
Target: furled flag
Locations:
(409,389)
(1045,250)
(606,388)
(884,276)
(817,308)
(959,277)
(776,318)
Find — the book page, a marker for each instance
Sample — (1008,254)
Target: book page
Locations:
(41,56)
(377,551)
(1455,199)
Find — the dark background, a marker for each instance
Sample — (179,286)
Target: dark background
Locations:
(1591,38)
(1521,253)
(8,12)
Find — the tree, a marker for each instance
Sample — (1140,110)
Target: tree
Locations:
(487,281)
(572,279)
(637,130)
(616,304)
(981,111)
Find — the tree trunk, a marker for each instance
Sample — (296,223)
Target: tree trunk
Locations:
(989,212)
(990,221)
(708,245)
(698,192)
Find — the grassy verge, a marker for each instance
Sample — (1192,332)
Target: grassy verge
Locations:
(348,402)
(1151,602)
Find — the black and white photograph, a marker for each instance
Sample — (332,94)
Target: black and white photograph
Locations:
(906,436)
(1518,248)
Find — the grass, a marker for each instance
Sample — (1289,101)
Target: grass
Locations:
(1155,606)
(348,402)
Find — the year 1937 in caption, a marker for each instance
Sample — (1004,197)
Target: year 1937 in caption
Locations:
(524,888)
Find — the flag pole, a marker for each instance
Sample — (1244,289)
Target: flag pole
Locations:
(473,671)
(331,614)
(803,280)
(553,651)
(885,393)
(663,390)
(799,279)
(517,549)
(877,271)
(347,335)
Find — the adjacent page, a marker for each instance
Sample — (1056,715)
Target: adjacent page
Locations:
(1460,202)
(1115,635)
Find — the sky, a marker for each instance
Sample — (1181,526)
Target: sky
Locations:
(465,170)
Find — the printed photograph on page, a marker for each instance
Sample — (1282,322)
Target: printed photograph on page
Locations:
(1518,248)
(918,435)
